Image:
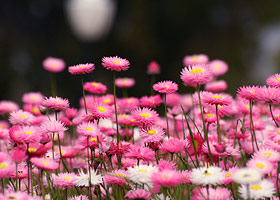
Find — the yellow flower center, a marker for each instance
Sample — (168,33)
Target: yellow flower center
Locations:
(122,116)
(252,92)
(119,174)
(3,165)
(124,80)
(143,170)
(106,100)
(89,128)
(278,79)
(116,62)
(279,132)
(101,109)
(34,98)
(54,65)
(166,86)
(267,154)
(216,97)
(196,71)
(31,149)
(95,84)
(58,102)
(1,126)
(165,176)
(260,165)
(22,116)
(256,187)
(129,100)
(247,106)
(145,115)
(93,139)
(132,120)
(81,67)
(217,67)
(209,115)
(20,172)
(67,178)
(207,173)
(62,152)
(35,110)
(152,132)
(195,58)
(256,123)
(228,175)
(29,132)
(45,162)
(195,144)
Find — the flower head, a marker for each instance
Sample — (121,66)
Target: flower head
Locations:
(44,163)
(216,86)
(32,98)
(141,174)
(153,68)
(165,87)
(95,87)
(21,117)
(151,101)
(138,194)
(100,110)
(88,129)
(52,126)
(195,59)
(218,67)
(167,178)
(246,176)
(115,63)
(248,92)
(83,178)
(125,82)
(207,176)
(152,134)
(53,64)
(56,103)
(274,80)
(64,180)
(217,99)
(81,68)
(145,115)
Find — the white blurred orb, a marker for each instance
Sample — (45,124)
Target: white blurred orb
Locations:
(90,20)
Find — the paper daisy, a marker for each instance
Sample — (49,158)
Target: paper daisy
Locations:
(152,134)
(53,64)
(83,179)
(195,59)
(141,174)
(95,87)
(274,80)
(88,129)
(125,82)
(55,103)
(165,87)
(218,67)
(21,117)
(115,63)
(216,86)
(153,68)
(167,178)
(145,115)
(138,194)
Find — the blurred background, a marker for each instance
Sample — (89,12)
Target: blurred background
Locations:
(245,34)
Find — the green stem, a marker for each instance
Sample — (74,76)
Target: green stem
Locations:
(16,177)
(115,105)
(28,172)
(202,115)
(218,125)
(165,109)
(89,172)
(3,186)
(84,95)
(63,162)
(270,108)
(253,134)
(277,179)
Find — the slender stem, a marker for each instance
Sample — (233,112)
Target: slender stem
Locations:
(53,85)
(202,116)
(63,162)
(218,125)
(84,95)
(277,179)
(16,177)
(53,146)
(115,105)
(3,186)
(89,172)
(270,108)
(252,126)
(165,109)
(28,172)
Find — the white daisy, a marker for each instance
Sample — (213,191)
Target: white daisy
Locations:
(207,176)
(141,174)
(83,178)
(260,190)
(246,176)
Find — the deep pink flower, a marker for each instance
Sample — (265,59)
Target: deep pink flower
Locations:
(165,87)
(216,86)
(53,64)
(115,63)
(34,109)
(100,110)
(151,101)
(195,59)
(218,67)
(108,99)
(172,145)
(56,103)
(95,87)
(126,105)
(18,154)
(152,134)
(268,95)
(167,178)
(248,92)
(71,113)
(22,172)
(125,82)
(118,149)
(214,194)
(44,163)
(217,99)
(145,115)
(273,81)
(25,134)
(138,194)
(140,153)
(153,68)
(196,75)
(81,68)
(7,167)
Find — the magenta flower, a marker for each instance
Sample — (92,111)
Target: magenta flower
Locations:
(152,134)
(153,68)
(115,63)
(88,129)
(268,95)
(172,145)
(145,115)
(274,80)
(56,103)
(165,87)
(151,101)
(195,59)
(44,163)
(140,153)
(217,99)
(95,87)
(125,82)
(81,68)
(8,106)
(53,64)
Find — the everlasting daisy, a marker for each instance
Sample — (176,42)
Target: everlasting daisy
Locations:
(7,167)
(140,153)
(218,67)
(264,166)
(260,190)
(246,176)
(8,106)
(165,87)
(52,126)
(83,179)
(268,95)
(152,101)
(138,194)
(81,68)
(196,75)
(153,68)
(21,173)
(207,176)
(216,86)
(80,197)
(214,194)
(141,174)
(25,134)
(118,149)
(88,129)
(248,92)
(167,178)
(95,87)
(53,64)
(217,99)
(64,180)
(195,59)
(274,80)
(108,99)
(172,145)
(268,154)
(21,117)
(152,134)
(115,63)
(125,105)
(125,82)
(100,110)
(32,98)
(44,163)
(55,103)
(116,177)
(145,115)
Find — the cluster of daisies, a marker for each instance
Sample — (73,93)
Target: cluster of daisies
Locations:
(207,146)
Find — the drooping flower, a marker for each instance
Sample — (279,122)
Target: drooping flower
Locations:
(125,82)
(81,68)
(207,176)
(153,68)
(218,67)
(138,194)
(195,59)
(165,87)
(56,103)
(54,65)
(115,63)
(95,87)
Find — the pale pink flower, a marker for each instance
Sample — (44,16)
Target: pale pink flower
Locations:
(125,82)
(196,75)
(218,67)
(115,63)
(138,194)
(195,59)
(153,68)
(95,87)
(56,103)
(32,98)
(81,68)
(167,178)
(165,87)
(21,117)
(53,64)
(273,81)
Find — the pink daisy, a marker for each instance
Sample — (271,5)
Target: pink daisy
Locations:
(138,194)
(118,149)
(274,80)
(44,163)
(268,154)
(66,152)
(52,126)
(53,64)
(165,87)
(108,99)
(8,106)
(173,99)
(22,172)
(81,68)
(125,82)
(95,87)
(145,115)
(116,177)
(25,134)
(100,110)
(268,95)
(34,109)
(172,145)
(248,92)
(125,105)
(196,75)
(195,59)
(21,117)
(216,86)
(214,194)
(217,99)
(115,63)
(151,101)
(7,167)
(264,166)
(153,68)
(167,178)
(140,153)
(218,67)
(166,165)
(55,103)
(88,129)
(64,180)
(32,98)
(16,195)
(71,112)
(152,134)
(18,154)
